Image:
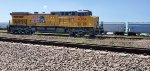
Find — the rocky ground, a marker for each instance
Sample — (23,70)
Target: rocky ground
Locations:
(28,57)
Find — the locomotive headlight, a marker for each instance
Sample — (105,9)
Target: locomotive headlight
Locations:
(90,24)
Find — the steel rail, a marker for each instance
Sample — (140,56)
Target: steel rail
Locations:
(80,45)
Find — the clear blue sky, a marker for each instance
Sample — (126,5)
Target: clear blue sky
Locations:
(107,10)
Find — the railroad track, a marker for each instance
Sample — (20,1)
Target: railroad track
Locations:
(124,37)
(102,37)
(80,45)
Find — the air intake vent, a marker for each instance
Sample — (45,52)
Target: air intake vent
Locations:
(35,12)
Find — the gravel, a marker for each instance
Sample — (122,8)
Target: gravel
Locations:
(28,57)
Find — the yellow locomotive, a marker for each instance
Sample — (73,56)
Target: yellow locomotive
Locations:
(72,22)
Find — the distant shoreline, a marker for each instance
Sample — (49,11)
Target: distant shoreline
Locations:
(3,24)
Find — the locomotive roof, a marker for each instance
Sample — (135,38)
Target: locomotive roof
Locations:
(20,13)
(28,13)
(74,11)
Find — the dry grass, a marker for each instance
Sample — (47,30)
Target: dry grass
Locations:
(112,42)
(3,31)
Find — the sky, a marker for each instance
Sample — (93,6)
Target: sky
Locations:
(107,10)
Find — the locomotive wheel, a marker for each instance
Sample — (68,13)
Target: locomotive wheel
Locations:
(72,34)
